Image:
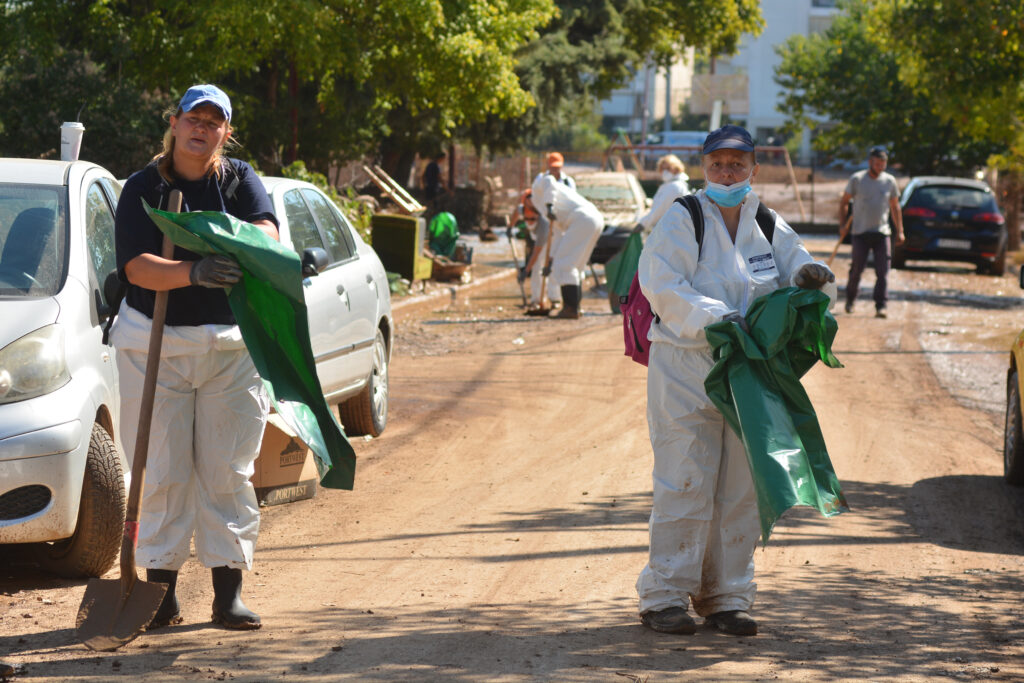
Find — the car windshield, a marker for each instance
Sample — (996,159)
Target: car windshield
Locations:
(606,196)
(33,239)
(952,198)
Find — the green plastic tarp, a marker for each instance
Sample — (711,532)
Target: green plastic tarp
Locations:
(620,269)
(271,312)
(444,232)
(755,383)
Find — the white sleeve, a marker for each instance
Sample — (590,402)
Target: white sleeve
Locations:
(668,263)
(663,198)
(790,254)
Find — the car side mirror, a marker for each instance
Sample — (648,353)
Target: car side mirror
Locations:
(113,291)
(314,260)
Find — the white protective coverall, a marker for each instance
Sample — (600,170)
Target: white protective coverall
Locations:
(209,412)
(577,225)
(540,239)
(667,193)
(704,521)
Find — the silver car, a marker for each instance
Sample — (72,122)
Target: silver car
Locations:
(348,300)
(62,487)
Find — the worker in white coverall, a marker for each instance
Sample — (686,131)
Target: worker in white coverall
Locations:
(576,224)
(673,185)
(704,520)
(210,406)
(536,258)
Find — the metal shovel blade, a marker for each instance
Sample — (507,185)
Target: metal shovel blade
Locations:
(110,616)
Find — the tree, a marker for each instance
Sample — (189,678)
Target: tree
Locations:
(594,46)
(849,77)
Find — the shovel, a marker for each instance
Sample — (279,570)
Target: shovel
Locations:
(114,611)
(842,236)
(515,260)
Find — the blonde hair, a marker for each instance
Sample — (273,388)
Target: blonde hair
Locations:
(670,162)
(165,159)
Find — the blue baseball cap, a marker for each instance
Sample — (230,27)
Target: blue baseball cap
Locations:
(729,137)
(206,94)
(879,151)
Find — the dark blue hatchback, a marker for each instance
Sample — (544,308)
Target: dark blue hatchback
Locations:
(952,219)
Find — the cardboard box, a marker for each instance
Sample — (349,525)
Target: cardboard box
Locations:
(284,469)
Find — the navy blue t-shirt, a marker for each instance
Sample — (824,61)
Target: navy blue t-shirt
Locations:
(136,234)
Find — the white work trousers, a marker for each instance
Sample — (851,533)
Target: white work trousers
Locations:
(209,412)
(704,524)
(572,249)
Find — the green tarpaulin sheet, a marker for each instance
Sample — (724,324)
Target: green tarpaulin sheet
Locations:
(755,382)
(620,269)
(271,313)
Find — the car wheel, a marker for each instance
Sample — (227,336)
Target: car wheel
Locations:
(91,551)
(366,414)
(1013,444)
(998,267)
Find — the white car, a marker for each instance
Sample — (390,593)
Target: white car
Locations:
(62,486)
(348,300)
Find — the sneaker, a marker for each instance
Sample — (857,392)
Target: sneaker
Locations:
(669,620)
(733,622)
(849,307)
(880,313)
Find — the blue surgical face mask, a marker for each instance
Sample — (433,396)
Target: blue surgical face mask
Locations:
(727,195)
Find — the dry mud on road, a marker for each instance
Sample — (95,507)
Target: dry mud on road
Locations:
(498,525)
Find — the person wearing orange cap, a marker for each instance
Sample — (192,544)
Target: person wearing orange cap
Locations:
(555,164)
(538,228)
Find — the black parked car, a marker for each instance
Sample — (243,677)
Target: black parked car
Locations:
(952,219)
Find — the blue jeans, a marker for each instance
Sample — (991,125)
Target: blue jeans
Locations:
(877,244)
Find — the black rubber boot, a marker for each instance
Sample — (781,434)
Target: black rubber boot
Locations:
(571,295)
(228,608)
(168,612)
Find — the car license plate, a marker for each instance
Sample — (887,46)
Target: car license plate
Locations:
(954,244)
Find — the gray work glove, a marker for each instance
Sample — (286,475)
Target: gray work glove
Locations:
(813,276)
(735,317)
(546,272)
(215,271)
(551,212)
(639,227)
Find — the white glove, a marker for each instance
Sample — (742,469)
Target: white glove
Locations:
(813,276)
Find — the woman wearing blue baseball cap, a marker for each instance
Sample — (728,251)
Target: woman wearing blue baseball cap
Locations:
(704,522)
(210,405)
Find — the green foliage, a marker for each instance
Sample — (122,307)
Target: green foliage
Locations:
(579,134)
(358,212)
(851,76)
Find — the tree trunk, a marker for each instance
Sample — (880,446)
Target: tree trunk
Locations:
(1010,188)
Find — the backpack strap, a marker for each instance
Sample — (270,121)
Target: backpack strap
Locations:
(692,204)
(766,221)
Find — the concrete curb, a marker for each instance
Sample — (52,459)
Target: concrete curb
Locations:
(448,290)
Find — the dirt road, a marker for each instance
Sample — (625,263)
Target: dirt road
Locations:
(498,526)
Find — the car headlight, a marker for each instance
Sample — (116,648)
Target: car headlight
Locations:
(33,365)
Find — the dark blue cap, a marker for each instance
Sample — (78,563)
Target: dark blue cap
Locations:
(206,94)
(729,137)
(879,151)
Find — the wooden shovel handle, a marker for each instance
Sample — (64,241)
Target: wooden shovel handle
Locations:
(156,337)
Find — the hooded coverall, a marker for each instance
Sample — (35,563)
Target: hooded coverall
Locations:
(704,522)
(577,225)
(667,193)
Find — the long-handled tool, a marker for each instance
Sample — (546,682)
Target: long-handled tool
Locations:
(114,611)
(546,261)
(842,236)
(515,260)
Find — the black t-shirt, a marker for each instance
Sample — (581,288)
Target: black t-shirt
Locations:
(432,180)
(136,234)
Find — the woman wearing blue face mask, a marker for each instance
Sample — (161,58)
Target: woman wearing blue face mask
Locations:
(704,523)
(673,185)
